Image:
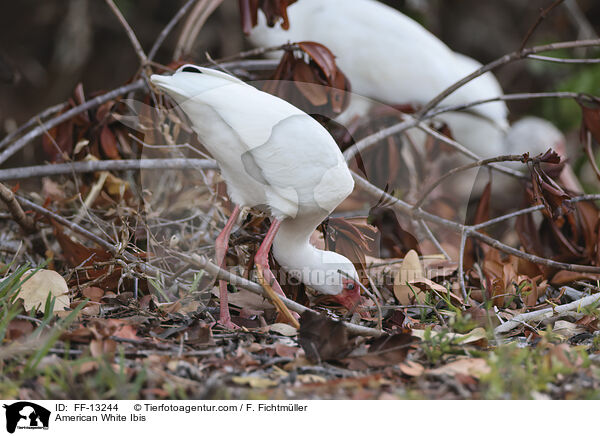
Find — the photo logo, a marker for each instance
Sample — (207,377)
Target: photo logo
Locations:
(26,415)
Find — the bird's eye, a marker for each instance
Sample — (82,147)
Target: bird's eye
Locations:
(191,70)
(350,286)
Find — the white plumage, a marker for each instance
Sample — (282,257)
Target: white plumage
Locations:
(272,156)
(392,59)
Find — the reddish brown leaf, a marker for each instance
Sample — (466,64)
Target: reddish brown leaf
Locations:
(18,328)
(394,240)
(384,351)
(273,10)
(318,86)
(58,141)
(108,142)
(547,192)
(307,80)
(529,235)
(482,214)
(350,239)
(103,111)
(323,339)
(78,254)
(93,293)
(322,56)
(285,350)
(590,114)
(79,96)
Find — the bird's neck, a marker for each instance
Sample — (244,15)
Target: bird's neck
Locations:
(296,254)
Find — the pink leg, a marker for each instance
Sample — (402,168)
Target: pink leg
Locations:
(262,258)
(221,245)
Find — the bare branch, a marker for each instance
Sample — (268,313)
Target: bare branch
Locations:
(44,127)
(405,208)
(461,268)
(134,41)
(105,165)
(24,221)
(32,122)
(537,315)
(483,162)
(221,274)
(433,239)
(193,25)
(564,60)
(196,260)
(502,61)
(590,154)
(408,123)
(167,29)
(509,97)
(543,14)
(74,227)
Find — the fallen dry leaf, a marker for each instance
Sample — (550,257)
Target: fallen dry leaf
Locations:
(35,290)
(323,339)
(413,369)
(474,367)
(18,328)
(567,329)
(384,351)
(255,382)
(475,335)
(410,270)
(93,293)
(283,329)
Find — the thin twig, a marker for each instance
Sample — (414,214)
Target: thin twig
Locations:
(215,271)
(193,25)
(139,51)
(109,246)
(583,25)
(44,127)
(167,29)
(461,270)
(511,57)
(196,260)
(453,171)
(564,60)
(408,123)
(433,239)
(259,51)
(588,197)
(15,209)
(590,154)
(105,165)
(543,14)
(32,122)
(507,97)
(403,207)
(546,313)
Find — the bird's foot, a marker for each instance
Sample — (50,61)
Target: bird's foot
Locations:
(228,324)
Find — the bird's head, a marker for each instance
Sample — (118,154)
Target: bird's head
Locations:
(534,135)
(190,81)
(340,281)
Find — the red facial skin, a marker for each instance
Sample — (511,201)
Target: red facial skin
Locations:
(350,296)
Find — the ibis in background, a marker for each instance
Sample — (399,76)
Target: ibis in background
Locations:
(392,59)
(273,157)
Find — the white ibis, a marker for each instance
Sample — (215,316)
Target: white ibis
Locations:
(275,157)
(392,59)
